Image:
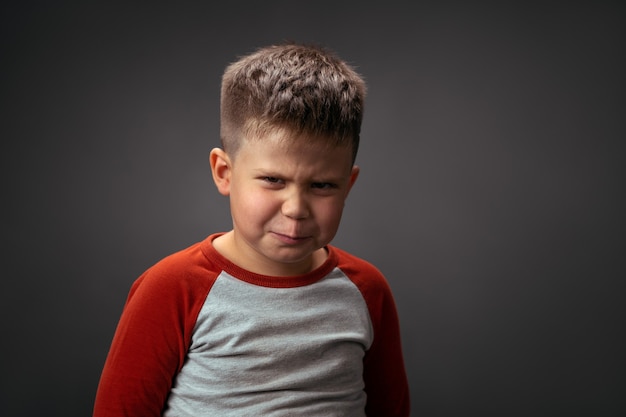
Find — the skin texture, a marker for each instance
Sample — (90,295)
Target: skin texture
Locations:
(286,200)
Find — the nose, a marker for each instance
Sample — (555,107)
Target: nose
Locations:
(295,205)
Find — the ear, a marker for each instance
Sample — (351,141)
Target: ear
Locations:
(353,176)
(221,168)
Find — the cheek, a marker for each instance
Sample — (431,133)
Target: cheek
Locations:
(251,204)
(329,213)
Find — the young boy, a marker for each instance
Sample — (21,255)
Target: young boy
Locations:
(267,319)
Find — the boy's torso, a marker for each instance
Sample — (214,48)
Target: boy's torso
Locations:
(258,350)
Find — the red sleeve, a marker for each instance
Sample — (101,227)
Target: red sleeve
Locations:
(386,383)
(153,335)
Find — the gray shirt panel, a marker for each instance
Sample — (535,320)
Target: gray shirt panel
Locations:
(260,351)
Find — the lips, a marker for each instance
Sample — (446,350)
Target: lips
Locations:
(290,239)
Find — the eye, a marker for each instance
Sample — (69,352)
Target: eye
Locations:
(272,181)
(323,185)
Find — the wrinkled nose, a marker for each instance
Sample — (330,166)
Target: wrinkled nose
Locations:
(295,206)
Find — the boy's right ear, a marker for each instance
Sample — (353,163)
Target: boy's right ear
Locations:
(221,170)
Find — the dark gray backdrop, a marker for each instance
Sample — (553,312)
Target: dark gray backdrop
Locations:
(491,195)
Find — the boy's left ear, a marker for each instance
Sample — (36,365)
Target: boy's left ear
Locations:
(353,176)
(221,170)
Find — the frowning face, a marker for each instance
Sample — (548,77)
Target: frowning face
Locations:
(286,200)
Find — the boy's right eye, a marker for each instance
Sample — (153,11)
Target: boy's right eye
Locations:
(272,181)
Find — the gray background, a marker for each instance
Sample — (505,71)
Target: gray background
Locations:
(492,189)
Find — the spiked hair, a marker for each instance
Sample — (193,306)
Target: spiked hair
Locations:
(300,89)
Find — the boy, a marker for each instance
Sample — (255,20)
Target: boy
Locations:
(267,319)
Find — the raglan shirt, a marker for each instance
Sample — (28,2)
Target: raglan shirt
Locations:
(200,336)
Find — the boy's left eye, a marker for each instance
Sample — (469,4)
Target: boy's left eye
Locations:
(323,185)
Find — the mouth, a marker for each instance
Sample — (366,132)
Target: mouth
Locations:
(289,239)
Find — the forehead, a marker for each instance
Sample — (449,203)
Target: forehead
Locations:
(287,140)
(283,150)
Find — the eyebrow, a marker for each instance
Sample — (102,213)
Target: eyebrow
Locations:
(270,172)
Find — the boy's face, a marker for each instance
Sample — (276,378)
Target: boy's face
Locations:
(286,199)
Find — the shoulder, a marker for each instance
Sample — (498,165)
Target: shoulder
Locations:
(348,259)
(186,271)
(365,275)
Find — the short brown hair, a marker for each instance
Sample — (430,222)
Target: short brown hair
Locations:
(304,89)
